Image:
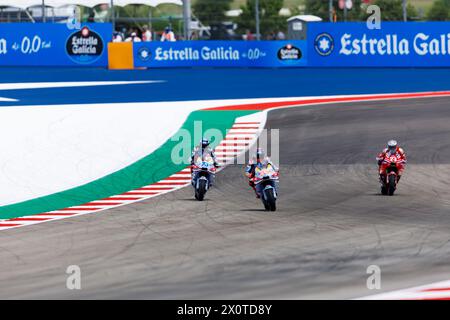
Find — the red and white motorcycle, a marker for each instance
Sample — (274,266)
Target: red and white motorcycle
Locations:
(390,168)
(266,180)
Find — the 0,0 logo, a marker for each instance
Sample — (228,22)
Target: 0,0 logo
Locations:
(324,44)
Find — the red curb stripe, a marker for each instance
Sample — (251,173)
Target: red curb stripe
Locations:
(435,289)
(30,219)
(270,105)
(170,183)
(238,144)
(122,199)
(247,122)
(71,213)
(226,155)
(79,209)
(131,193)
(235,133)
(429,299)
(156,188)
(101,204)
(10,225)
(177,178)
(238,139)
(55,214)
(230,146)
(245,128)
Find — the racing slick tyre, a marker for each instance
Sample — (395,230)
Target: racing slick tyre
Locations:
(201,190)
(391,186)
(271,201)
(266,205)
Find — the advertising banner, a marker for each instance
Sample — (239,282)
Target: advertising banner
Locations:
(53,44)
(220,54)
(395,44)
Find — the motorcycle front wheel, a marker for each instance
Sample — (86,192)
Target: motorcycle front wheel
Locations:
(201,190)
(391,186)
(270,200)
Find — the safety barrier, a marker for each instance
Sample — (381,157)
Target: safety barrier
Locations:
(220,54)
(52,44)
(395,44)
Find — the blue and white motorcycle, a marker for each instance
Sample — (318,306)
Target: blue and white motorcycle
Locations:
(266,182)
(203,174)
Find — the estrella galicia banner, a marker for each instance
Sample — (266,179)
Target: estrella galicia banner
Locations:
(54,44)
(396,44)
(220,54)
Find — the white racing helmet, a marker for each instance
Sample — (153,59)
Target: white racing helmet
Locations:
(392,145)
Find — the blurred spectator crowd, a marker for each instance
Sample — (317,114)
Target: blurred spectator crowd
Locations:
(144,35)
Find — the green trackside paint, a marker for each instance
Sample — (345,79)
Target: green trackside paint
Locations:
(150,169)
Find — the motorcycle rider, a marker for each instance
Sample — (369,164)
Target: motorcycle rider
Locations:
(391,149)
(260,161)
(203,150)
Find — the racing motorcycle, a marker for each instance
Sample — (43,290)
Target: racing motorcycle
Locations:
(203,171)
(390,168)
(267,178)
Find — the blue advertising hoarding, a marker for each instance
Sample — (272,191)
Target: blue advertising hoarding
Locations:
(220,54)
(396,44)
(53,44)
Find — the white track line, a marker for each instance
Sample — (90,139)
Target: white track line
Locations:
(47,85)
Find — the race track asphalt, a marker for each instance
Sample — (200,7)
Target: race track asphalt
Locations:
(330,226)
